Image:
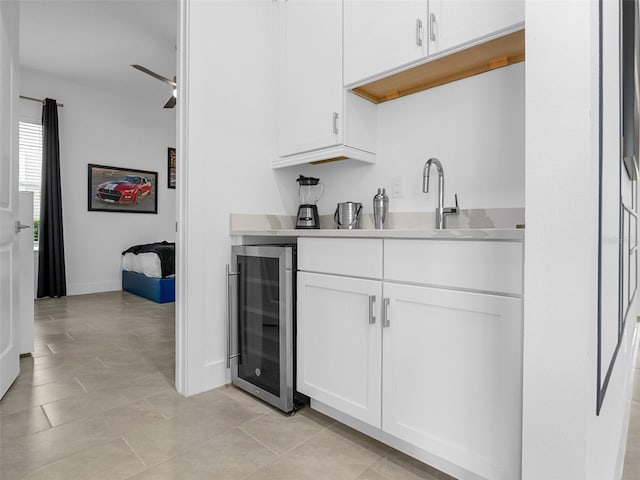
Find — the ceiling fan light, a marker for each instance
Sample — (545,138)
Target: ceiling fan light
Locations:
(175,93)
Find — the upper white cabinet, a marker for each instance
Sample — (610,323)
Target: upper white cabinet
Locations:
(382,35)
(455,23)
(318,119)
(395,48)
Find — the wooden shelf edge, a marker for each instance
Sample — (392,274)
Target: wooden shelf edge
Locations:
(496,53)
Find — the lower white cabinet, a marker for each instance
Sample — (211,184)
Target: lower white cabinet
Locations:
(339,343)
(436,370)
(452,376)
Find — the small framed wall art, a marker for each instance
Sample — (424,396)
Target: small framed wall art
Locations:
(171,167)
(117,189)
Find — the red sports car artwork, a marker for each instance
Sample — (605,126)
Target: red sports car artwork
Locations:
(125,189)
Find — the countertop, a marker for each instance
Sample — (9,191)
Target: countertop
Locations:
(281,226)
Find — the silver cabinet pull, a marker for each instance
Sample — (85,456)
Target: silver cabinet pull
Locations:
(418,32)
(372,316)
(335,122)
(386,321)
(432,27)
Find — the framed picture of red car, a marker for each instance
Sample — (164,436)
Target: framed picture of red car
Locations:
(116,189)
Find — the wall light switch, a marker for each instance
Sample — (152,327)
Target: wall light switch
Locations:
(397,187)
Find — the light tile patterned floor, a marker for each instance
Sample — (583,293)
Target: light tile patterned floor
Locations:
(97,401)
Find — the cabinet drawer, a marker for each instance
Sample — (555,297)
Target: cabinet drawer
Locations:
(472,265)
(358,257)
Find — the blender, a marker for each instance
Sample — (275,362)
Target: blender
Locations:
(310,190)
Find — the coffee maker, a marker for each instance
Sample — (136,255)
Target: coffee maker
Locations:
(311,191)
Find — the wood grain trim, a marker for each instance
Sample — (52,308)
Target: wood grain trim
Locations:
(481,58)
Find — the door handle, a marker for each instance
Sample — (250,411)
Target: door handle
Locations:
(20,226)
(372,316)
(386,321)
(335,123)
(418,32)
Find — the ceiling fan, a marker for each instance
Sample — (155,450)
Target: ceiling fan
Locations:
(172,83)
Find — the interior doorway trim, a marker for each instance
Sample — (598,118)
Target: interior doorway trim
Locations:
(182,129)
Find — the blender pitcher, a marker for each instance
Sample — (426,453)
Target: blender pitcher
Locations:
(310,190)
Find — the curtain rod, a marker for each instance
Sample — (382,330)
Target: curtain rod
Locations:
(38,100)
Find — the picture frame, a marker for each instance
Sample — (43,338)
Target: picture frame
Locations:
(118,189)
(171,168)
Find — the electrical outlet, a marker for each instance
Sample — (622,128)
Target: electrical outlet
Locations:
(397,187)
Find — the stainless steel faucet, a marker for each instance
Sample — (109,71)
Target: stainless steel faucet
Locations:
(441,211)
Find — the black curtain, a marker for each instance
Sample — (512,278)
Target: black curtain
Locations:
(51,271)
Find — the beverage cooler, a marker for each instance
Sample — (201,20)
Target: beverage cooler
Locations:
(261,285)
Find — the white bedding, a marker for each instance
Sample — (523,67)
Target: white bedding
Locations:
(146,263)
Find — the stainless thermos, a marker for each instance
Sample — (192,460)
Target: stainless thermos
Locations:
(381,209)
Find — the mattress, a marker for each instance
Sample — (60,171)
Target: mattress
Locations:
(155,260)
(145,263)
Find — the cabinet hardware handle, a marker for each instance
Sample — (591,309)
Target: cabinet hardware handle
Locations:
(372,316)
(229,274)
(432,27)
(386,321)
(418,32)
(335,122)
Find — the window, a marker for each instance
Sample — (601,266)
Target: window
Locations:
(30,163)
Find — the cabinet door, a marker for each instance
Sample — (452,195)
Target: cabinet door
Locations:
(453,376)
(382,35)
(454,23)
(338,346)
(310,75)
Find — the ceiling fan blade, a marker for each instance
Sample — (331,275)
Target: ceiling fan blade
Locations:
(155,75)
(171,103)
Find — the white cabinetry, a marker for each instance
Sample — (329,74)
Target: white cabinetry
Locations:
(439,369)
(382,37)
(453,23)
(339,340)
(452,376)
(317,119)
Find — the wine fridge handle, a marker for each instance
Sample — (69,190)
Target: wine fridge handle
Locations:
(228,317)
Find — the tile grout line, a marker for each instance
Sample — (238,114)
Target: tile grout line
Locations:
(46,416)
(80,383)
(261,443)
(101,362)
(134,452)
(69,335)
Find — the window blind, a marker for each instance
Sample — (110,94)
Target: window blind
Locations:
(30,161)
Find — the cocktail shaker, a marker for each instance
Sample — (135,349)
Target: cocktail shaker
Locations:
(381,209)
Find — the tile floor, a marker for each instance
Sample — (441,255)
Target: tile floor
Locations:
(97,401)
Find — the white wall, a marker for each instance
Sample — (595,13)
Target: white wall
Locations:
(562,436)
(103,128)
(475,126)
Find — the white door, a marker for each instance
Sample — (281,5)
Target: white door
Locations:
(454,23)
(27,273)
(339,343)
(310,75)
(453,376)
(382,35)
(9,263)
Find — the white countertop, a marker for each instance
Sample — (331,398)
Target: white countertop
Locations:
(277,226)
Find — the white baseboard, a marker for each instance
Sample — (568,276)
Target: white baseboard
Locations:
(212,375)
(95,287)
